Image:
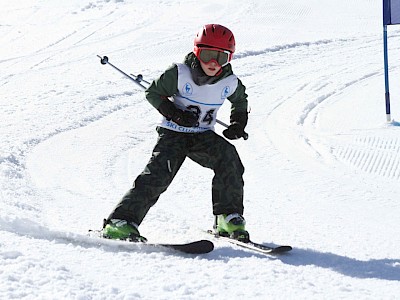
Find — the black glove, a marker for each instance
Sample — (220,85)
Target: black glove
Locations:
(236,129)
(179,116)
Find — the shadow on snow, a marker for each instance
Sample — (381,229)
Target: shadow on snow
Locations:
(387,269)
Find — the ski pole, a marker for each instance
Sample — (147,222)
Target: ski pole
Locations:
(138,79)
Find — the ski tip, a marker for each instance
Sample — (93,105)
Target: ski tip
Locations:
(205,245)
(209,243)
(282,249)
(196,247)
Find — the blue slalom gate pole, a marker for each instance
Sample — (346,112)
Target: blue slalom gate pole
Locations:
(386,65)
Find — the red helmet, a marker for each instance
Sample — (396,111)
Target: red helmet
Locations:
(215,36)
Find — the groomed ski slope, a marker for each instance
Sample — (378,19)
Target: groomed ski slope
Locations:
(322,165)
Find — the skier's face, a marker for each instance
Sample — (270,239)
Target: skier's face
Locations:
(211,68)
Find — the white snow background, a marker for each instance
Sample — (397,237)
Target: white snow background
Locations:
(322,165)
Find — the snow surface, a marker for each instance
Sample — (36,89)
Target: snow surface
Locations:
(322,165)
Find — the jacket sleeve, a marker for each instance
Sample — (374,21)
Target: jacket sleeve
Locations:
(239,99)
(163,87)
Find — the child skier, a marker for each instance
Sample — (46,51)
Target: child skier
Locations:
(198,88)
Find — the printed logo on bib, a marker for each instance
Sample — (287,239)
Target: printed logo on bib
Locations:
(225,92)
(187,89)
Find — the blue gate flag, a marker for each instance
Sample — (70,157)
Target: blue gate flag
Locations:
(391,12)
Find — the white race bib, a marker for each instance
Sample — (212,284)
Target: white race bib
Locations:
(203,100)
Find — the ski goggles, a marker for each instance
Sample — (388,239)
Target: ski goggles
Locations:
(206,55)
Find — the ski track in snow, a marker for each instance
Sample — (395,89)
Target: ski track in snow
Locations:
(377,156)
(313,162)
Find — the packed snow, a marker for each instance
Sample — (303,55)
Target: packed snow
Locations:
(322,164)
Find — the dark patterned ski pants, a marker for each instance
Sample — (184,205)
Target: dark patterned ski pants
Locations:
(207,149)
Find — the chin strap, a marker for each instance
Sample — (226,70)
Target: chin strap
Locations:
(219,72)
